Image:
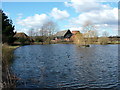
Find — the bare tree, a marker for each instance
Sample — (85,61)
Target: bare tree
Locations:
(105,34)
(104,39)
(48,30)
(31,32)
(90,33)
(93,36)
(87,26)
(43,34)
(79,39)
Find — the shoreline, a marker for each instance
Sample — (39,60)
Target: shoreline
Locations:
(38,49)
(8,51)
(39,43)
(8,78)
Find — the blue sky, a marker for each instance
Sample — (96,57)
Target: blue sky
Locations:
(68,15)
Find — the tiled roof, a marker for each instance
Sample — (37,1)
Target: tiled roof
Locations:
(74,32)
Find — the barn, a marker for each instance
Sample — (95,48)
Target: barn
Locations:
(74,34)
(22,37)
(63,35)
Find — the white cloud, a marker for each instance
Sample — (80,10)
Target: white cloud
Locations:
(35,21)
(74,29)
(93,11)
(109,16)
(86,5)
(58,14)
(23,30)
(104,20)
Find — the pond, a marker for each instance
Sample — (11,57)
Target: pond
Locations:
(66,65)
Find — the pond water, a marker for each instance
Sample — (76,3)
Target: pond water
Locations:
(66,65)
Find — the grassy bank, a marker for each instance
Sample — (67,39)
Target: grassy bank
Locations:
(8,79)
(114,42)
(70,42)
(62,42)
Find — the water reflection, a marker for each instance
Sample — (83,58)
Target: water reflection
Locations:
(66,65)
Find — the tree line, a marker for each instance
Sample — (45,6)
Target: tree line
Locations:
(42,34)
(90,35)
(46,32)
(7,29)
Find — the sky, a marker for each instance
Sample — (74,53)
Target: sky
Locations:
(70,14)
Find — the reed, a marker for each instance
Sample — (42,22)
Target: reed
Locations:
(8,79)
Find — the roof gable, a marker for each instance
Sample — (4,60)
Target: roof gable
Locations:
(23,35)
(61,33)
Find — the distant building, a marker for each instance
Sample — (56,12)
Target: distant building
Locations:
(73,35)
(74,32)
(21,35)
(63,35)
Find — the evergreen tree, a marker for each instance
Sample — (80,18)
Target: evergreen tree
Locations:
(7,29)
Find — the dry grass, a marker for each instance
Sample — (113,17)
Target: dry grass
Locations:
(8,79)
